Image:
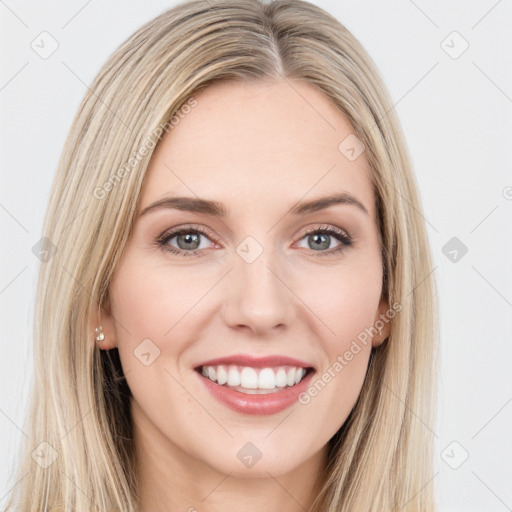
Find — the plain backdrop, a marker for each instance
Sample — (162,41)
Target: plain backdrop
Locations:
(447,66)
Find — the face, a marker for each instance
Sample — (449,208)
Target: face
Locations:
(268,278)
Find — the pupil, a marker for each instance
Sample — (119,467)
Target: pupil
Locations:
(189,238)
(317,239)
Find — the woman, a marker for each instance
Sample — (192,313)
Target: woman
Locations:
(236,312)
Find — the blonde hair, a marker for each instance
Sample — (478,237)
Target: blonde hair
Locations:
(381,458)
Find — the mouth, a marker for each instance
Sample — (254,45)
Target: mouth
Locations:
(255,381)
(255,391)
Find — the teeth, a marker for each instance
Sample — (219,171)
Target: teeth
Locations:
(281,378)
(290,377)
(222,375)
(233,377)
(250,378)
(266,379)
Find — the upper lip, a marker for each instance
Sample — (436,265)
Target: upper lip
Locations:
(256,362)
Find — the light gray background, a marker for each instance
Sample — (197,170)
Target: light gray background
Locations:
(457,117)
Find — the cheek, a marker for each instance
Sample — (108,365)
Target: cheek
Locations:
(150,302)
(153,329)
(150,309)
(347,303)
(346,300)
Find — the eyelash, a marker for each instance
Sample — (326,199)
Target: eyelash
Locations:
(339,234)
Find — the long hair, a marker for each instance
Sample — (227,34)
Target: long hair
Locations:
(79,453)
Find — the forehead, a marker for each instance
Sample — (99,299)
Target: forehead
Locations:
(257,144)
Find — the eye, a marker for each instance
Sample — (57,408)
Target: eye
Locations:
(188,241)
(319,239)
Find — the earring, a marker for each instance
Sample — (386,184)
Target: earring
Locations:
(100,336)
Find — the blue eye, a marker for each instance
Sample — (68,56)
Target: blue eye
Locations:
(188,240)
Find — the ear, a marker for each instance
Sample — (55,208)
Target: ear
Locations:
(382,323)
(106,320)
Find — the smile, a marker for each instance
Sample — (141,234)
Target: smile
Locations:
(255,391)
(246,379)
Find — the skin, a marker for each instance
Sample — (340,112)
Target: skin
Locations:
(258,149)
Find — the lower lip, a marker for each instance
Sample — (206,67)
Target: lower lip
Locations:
(259,405)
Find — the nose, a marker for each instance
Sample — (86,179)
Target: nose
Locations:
(257,296)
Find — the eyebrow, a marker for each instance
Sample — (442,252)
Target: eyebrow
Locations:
(216,209)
